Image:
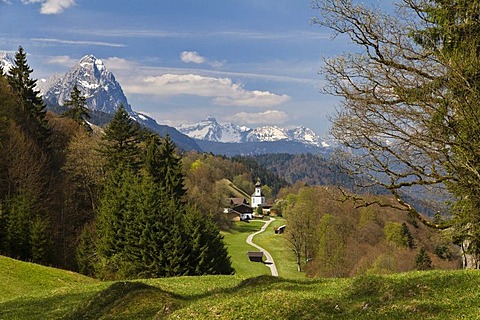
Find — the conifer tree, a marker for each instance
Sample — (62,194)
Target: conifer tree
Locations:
(208,253)
(122,136)
(170,168)
(86,252)
(77,109)
(153,165)
(32,107)
(40,242)
(19,227)
(117,207)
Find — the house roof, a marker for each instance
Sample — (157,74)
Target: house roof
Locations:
(237,201)
(243,208)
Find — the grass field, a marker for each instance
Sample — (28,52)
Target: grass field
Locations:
(280,249)
(29,291)
(237,248)
(56,294)
(276,244)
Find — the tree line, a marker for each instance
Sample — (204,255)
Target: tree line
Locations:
(336,239)
(109,203)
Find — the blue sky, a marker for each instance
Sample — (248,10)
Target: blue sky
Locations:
(252,62)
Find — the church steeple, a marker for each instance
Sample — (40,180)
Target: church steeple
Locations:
(258,199)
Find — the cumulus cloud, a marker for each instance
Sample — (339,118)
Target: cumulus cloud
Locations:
(52,6)
(223,91)
(269,116)
(192,57)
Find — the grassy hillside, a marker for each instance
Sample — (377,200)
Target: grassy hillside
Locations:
(239,193)
(30,291)
(56,294)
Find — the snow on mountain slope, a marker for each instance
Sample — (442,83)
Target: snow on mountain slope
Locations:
(6,61)
(210,130)
(95,82)
(268,133)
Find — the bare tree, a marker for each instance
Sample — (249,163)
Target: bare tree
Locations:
(410,102)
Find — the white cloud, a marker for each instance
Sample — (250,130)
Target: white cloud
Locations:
(192,57)
(52,6)
(120,64)
(62,60)
(269,116)
(244,98)
(223,90)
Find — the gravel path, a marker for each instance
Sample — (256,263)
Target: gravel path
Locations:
(269,262)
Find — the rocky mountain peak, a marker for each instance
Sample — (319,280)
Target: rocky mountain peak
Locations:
(95,82)
(6,61)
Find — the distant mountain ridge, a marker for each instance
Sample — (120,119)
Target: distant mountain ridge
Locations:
(211,130)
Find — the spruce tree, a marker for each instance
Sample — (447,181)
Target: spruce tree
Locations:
(19,227)
(207,249)
(117,207)
(121,141)
(32,108)
(40,241)
(77,109)
(153,165)
(170,169)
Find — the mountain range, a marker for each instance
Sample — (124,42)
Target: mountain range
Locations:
(104,95)
(211,130)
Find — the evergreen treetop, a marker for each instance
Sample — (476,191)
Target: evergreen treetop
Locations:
(32,105)
(77,109)
(121,140)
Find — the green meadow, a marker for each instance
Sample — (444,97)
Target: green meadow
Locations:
(30,291)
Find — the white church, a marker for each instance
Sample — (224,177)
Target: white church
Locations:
(258,199)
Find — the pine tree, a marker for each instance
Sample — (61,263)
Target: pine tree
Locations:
(19,227)
(423,260)
(153,165)
(77,109)
(207,249)
(170,169)
(40,241)
(117,206)
(32,107)
(121,141)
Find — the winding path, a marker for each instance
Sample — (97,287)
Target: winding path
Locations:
(269,262)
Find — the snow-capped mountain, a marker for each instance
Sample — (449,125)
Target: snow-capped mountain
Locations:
(95,82)
(268,133)
(103,93)
(6,61)
(210,130)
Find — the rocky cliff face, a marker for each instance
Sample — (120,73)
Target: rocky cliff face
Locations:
(97,84)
